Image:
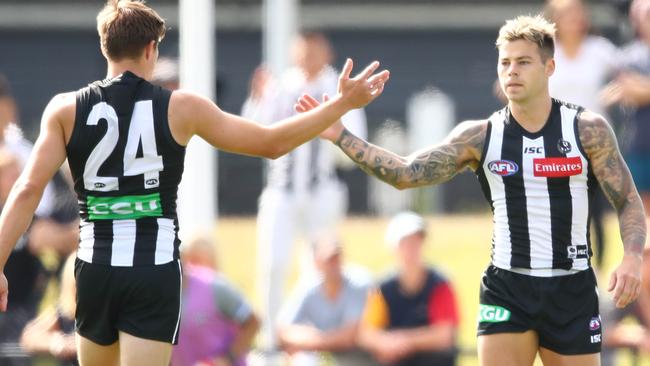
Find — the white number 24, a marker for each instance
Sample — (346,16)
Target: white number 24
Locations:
(141,131)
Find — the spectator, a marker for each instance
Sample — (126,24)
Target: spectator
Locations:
(200,251)
(411,319)
(28,274)
(302,196)
(584,63)
(58,202)
(323,316)
(53,333)
(631,88)
(55,226)
(218,325)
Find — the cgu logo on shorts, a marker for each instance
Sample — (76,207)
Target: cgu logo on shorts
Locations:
(124,207)
(503,168)
(557,167)
(492,314)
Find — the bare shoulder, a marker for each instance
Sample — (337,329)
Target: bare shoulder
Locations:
(595,133)
(470,130)
(182,101)
(60,113)
(186,110)
(62,106)
(469,137)
(186,104)
(588,118)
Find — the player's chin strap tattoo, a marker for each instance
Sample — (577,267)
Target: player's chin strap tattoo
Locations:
(615,180)
(430,166)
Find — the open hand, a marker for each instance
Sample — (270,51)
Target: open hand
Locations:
(307,103)
(363,88)
(393,351)
(626,280)
(628,89)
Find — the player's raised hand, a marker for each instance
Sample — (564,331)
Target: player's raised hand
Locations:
(4,292)
(363,88)
(626,280)
(306,103)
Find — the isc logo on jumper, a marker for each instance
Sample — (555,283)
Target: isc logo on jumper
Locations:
(503,168)
(557,167)
(534,150)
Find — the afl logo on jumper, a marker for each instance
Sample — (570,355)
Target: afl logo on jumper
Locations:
(557,167)
(563,146)
(503,168)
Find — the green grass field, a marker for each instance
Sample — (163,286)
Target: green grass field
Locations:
(458,245)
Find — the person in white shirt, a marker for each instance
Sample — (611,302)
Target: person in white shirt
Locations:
(302,196)
(584,64)
(584,61)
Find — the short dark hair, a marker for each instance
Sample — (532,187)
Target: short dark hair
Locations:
(125,27)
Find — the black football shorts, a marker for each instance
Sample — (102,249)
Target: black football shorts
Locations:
(142,301)
(563,310)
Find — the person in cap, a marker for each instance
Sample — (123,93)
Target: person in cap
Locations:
(411,318)
(323,316)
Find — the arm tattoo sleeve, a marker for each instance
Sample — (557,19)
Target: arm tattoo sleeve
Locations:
(615,180)
(427,167)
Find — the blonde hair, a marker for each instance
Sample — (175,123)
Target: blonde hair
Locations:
(535,29)
(125,27)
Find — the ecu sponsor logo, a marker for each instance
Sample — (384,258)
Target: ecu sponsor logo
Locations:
(557,167)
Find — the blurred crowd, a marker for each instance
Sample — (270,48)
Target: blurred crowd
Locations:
(337,314)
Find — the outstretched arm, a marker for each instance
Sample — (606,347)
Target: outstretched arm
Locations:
(616,182)
(434,165)
(191,114)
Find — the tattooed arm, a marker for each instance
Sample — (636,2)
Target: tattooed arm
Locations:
(434,165)
(599,143)
(462,148)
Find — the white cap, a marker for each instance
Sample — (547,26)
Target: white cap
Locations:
(402,225)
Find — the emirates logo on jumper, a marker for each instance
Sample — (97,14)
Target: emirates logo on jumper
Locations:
(557,167)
